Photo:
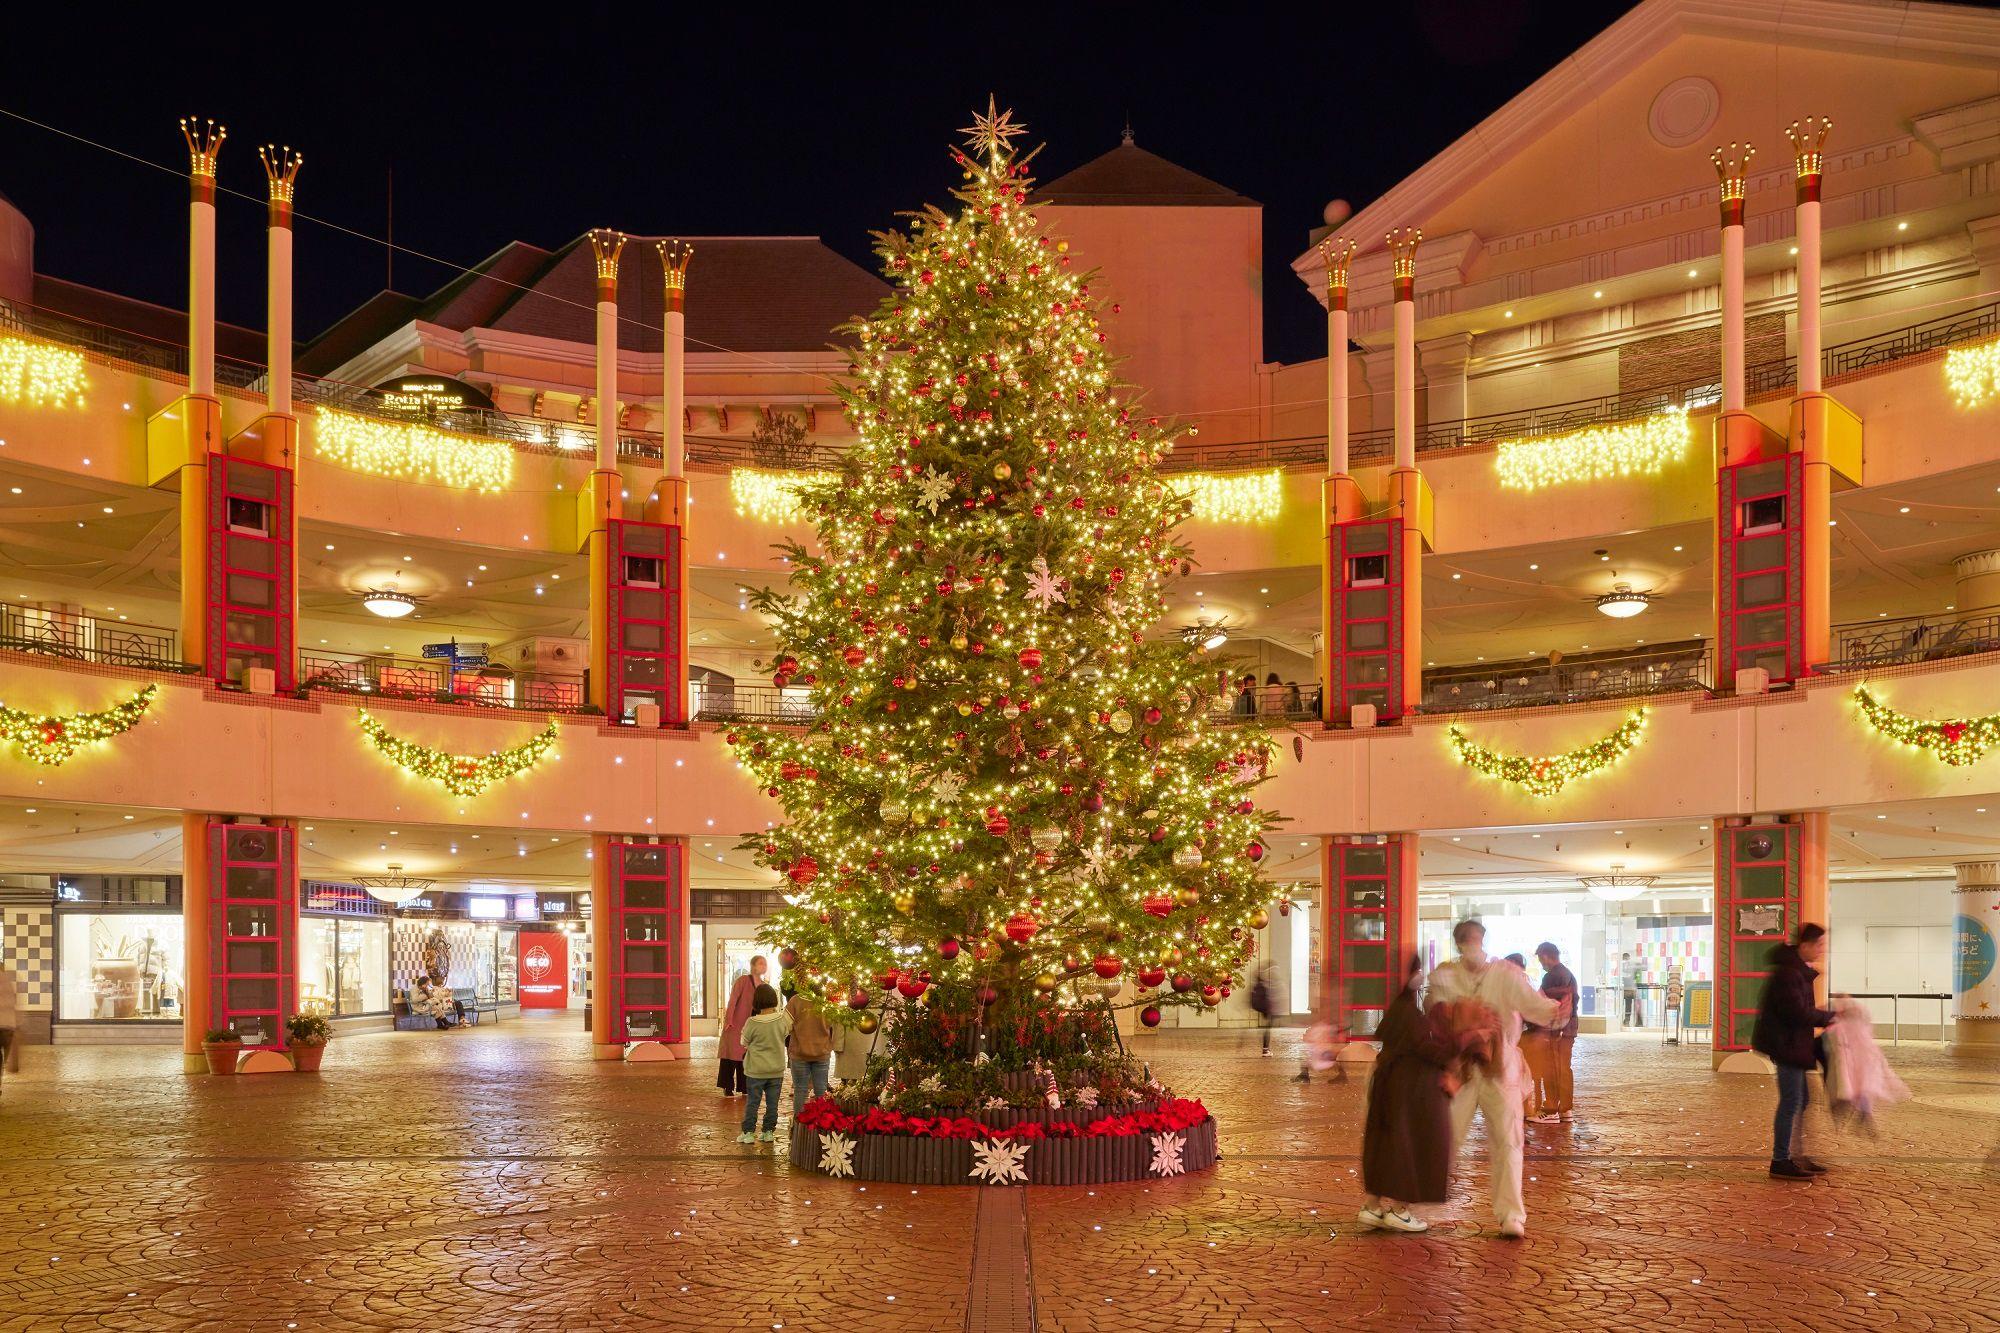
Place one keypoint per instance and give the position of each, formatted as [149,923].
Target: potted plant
[221,1046]
[308,1035]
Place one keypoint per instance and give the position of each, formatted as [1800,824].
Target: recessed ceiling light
[1677,548]
[1508,314]
[1881,816]
[1795,249]
[1534,566]
[1691,273]
[107,509]
[1904,510]
[1456,576]
[1902,226]
[329,546]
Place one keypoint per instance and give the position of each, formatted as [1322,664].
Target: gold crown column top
[674,258]
[1734,173]
[1403,243]
[1808,154]
[281,172]
[204,141]
[1339,257]
[607,245]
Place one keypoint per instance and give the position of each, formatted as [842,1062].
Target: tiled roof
[744,294]
[156,322]
[1129,176]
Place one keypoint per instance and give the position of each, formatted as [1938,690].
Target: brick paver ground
[498,1178]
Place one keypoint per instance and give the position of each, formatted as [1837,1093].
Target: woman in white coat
[1495,1092]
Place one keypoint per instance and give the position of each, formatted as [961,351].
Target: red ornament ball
[858,999]
[1183,983]
[1150,1016]
[1031,658]
[911,986]
[887,980]
[788,957]
[1106,966]
[947,949]
[1021,927]
[1152,976]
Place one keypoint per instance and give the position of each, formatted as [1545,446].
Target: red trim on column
[253,927]
[1363,935]
[241,559]
[646,660]
[1760,891]
[1367,643]
[646,977]
[1755,629]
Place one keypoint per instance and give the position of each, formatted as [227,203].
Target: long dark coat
[1406,1143]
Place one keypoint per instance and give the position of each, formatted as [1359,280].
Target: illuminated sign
[425,396]
[486,909]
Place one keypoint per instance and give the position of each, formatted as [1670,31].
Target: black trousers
[730,1077]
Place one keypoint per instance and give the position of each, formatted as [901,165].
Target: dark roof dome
[1129,176]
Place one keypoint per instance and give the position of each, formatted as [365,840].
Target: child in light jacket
[764,1064]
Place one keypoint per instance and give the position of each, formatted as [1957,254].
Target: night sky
[497,129]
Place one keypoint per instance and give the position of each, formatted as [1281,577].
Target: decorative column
[1975,983]
[180,438]
[1368,887]
[1734,174]
[1340,499]
[639,997]
[1976,581]
[674,259]
[1770,879]
[1410,496]
[1808,141]
[194,941]
[1374,607]
[603,499]
[604,1044]
[281,172]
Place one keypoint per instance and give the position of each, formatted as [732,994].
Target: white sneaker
[746,1138]
[1512,1230]
[1404,1221]
[1370,1218]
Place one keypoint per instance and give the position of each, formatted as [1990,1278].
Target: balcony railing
[1867,644]
[437,682]
[723,702]
[1266,703]
[1541,684]
[81,638]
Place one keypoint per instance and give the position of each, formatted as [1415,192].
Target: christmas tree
[1013,801]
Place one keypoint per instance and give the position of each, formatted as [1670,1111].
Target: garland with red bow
[51,739]
[1171,1116]
[460,774]
[1547,774]
[1957,741]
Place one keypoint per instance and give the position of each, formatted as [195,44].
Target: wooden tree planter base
[909,1160]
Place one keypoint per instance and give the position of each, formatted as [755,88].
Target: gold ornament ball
[904,903]
[1046,982]
[1187,897]
[1259,919]
[960,643]
[1002,470]
[867,1024]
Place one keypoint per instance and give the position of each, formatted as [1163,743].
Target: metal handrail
[1482,687]
[1867,644]
[81,638]
[437,682]
[723,701]
[1895,999]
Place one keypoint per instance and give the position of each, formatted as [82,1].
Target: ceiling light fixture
[1206,635]
[1617,886]
[1621,603]
[395,888]
[389,603]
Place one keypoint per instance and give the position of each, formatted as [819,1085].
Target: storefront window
[120,967]
[364,967]
[319,965]
[505,969]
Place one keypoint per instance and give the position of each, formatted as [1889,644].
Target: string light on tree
[1546,775]
[53,739]
[1957,741]
[987,810]
[39,375]
[1627,449]
[460,774]
[410,451]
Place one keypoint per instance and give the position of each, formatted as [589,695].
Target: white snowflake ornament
[1044,587]
[999,1162]
[1167,1150]
[933,489]
[947,785]
[836,1155]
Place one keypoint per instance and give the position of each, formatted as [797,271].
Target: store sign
[339,899]
[486,909]
[527,909]
[543,970]
[426,396]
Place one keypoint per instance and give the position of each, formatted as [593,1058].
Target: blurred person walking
[1406,1139]
[1488,999]
[1788,1016]
[1269,999]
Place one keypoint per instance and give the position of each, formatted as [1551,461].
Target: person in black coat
[1787,1021]
[1406,1144]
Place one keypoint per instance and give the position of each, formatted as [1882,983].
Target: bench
[474,1007]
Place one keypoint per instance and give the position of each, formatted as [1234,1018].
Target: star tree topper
[993,133]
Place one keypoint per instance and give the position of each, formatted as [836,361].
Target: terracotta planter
[222,1055]
[306,1056]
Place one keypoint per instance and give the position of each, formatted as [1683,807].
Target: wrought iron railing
[724,702]
[1866,644]
[1914,340]
[437,682]
[81,638]
[1266,703]
[1540,684]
